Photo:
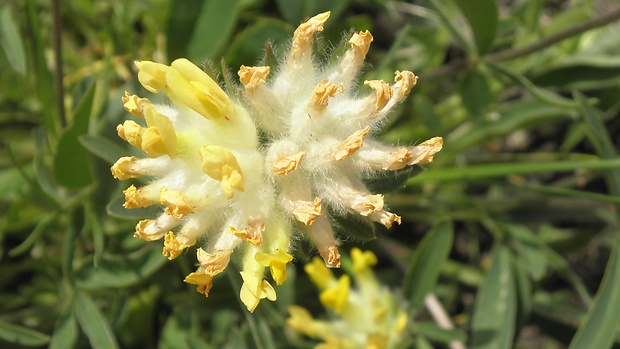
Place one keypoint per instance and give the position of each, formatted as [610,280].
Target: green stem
[58,74]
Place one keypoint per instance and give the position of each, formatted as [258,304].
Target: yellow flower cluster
[368,316]
[222,187]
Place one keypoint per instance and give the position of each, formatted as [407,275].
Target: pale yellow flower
[222,185]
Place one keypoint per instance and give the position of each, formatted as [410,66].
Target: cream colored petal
[142,197]
[251,234]
[122,168]
[164,128]
[253,77]
[302,38]
[321,94]
[351,144]
[383,92]
[287,163]
[306,211]
[177,205]
[424,152]
[131,132]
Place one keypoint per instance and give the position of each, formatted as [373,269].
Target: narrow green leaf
[181,22]
[98,240]
[22,336]
[36,234]
[529,249]
[244,46]
[94,324]
[580,72]
[475,93]
[292,11]
[44,79]
[213,27]
[599,329]
[478,172]
[11,41]
[65,332]
[432,331]
[122,271]
[541,94]
[482,17]
[429,256]
[71,163]
[102,148]
[358,227]
[495,309]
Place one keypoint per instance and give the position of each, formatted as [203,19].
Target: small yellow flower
[225,188]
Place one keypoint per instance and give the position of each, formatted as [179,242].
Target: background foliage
[514,227]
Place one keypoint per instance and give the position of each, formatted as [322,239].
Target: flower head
[223,188]
[364,316]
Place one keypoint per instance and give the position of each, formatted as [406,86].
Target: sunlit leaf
[495,309]
[482,16]
[424,268]
[11,40]
[94,324]
[22,336]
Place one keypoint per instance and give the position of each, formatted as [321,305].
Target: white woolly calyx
[221,188]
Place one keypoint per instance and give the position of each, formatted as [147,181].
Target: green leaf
[495,308]
[296,11]
[65,332]
[249,43]
[591,72]
[483,18]
[432,331]
[120,272]
[513,116]
[22,336]
[358,227]
[102,148]
[529,249]
[11,41]
[478,172]
[213,27]
[541,94]
[599,328]
[392,180]
[475,93]
[429,256]
[71,163]
[12,182]
[180,26]
[94,324]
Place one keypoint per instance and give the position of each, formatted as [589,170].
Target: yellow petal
[176,203]
[202,280]
[135,198]
[193,87]
[164,128]
[131,132]
[134,104]
[220,164]
[122,168]
[172,246]
[276,261]
[336,297]
[152,143]
[351,144]
[152,75]
[319,273]
[362,260]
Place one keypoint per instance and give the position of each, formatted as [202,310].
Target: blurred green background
[525,93]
